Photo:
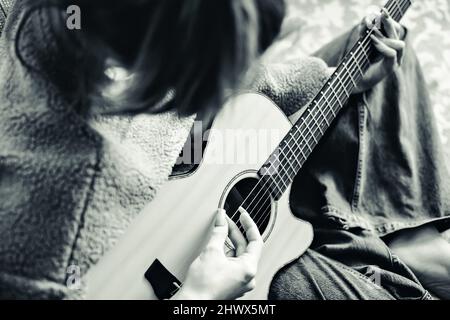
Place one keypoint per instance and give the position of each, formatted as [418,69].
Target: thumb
[221,220]
[219,233]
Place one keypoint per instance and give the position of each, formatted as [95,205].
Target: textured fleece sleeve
[69,186]
[48,157]
[291,85]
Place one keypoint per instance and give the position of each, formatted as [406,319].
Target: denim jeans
[347,265]
[380,170]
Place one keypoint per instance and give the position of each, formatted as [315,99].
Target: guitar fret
[323,115]
[399,8]
[319,125]
[274,167]
[350,74]
[357,64]
[286,173]
[364,50]
[316,122]
[280,174]
[314,137]
[342,84]
[306,142]
[293,156]
[274,181]
[328,102]
[298,146]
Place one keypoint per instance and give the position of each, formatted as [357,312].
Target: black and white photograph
[253,152]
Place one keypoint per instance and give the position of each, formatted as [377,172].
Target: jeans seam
[389,228]
[362,276]
[346,219]
[358,274]
[357,186]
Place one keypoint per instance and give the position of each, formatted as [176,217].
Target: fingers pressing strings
[389,47]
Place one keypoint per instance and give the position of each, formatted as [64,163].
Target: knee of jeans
[296,281]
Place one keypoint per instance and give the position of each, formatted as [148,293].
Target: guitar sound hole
[259,204]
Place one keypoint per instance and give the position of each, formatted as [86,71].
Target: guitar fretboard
[293,152]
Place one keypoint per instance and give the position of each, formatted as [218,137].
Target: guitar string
[349,81]
[334,99]
[264,215]
[288,142]
[308,123]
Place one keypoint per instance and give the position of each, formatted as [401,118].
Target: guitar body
[175,226]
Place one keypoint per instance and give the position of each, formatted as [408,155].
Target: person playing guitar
[51,77]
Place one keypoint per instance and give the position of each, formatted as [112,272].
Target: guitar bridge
[164,284]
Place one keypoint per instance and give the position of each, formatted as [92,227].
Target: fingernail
[242,210]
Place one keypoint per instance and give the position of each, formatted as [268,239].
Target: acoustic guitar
[151,259]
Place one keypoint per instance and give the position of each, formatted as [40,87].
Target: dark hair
[194,49]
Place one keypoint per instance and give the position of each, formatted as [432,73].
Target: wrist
[186,294]
[182,294]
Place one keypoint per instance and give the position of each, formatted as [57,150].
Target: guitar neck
[293,152]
